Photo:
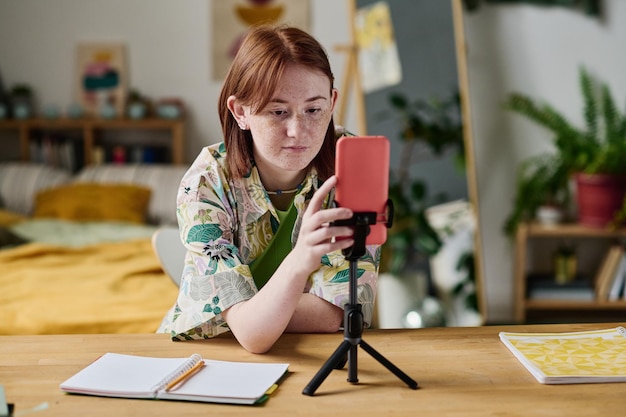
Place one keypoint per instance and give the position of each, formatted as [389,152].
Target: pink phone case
[362,170]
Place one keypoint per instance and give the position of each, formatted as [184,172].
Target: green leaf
[204,233]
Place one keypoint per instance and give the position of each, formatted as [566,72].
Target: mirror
[431,51]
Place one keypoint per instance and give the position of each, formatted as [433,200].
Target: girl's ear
[237,110]
[333,99]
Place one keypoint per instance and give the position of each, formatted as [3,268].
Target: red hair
[253,77]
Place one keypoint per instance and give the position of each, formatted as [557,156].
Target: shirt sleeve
[214,277]
[331,281]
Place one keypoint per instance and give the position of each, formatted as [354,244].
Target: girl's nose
[295,124]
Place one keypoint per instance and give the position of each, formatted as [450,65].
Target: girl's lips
[295,148]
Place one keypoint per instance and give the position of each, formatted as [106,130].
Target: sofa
[75,249]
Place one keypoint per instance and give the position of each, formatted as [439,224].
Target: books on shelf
[617,286]
[545,287]
[124,154]
[609,281]
[58,152]
[186,379]
[571,358]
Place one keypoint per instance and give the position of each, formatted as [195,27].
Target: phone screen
[362,170]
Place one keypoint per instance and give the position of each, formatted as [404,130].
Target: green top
[265,265]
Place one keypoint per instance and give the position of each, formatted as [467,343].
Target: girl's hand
[317,237]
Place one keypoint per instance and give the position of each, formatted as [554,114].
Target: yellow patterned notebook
[571,358]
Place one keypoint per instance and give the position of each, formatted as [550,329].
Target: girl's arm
[281,305]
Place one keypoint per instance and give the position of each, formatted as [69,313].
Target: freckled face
[289,132]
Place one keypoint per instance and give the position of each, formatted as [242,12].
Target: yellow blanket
[102,288]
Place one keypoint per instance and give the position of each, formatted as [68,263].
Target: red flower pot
[600,197]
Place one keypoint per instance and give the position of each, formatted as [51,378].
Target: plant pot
[599,197]
[137,110]
[548,215]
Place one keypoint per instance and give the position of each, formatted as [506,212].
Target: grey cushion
[20,182]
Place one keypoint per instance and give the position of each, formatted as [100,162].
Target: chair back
[170,251]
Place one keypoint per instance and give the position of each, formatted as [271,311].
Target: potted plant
[21,101]
[542,183]
[593,155]
[136,105]
[433,126]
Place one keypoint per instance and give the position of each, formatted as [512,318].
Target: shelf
[527,235]
[569,230]
[88,126]
[574,305]
[65,123]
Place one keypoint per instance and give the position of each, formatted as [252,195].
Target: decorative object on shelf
[22,101]
[107,111]
[136,105]
[101,77]
[600,198]
[549,215]
[75,111]
[599,148]
[21,111]
[119,155]
[51,111]
[97,155]
[565,264]
[137,110]
[170,108]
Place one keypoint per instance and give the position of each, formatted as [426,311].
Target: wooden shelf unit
[526,234]
[89,127]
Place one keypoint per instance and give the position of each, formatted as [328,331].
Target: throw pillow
[94,202]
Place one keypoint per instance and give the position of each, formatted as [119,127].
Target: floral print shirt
[225,224]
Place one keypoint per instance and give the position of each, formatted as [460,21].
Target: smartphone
[362,170]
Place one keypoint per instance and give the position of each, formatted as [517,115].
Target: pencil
[186,375]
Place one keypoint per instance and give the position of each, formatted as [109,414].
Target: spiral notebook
[186,379]
[571,358]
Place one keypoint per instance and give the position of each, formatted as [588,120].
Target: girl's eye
[313,111]
[278,112]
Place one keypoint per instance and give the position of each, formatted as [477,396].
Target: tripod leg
[336,358]
[387,364]
[340,364]
[352,365]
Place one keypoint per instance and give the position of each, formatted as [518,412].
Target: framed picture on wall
[231,20]
[101,78]
[379,61]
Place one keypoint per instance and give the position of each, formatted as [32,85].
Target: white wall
[537,51]
[168,46]
[523,48]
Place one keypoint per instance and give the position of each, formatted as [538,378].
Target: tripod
[353,316]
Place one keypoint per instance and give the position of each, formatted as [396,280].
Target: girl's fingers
[318,198]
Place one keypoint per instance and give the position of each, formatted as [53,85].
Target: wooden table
[461,372]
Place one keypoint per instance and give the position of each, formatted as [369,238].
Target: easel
[351,75]
[353,316]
